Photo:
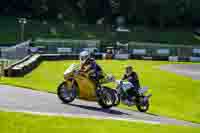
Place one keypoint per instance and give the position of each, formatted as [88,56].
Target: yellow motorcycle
[79,84]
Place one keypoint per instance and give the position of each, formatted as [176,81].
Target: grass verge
[23,123]
[173,95]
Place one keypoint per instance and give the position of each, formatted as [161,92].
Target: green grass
[173,95]
[26,123]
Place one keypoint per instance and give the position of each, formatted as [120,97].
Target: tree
[159,13]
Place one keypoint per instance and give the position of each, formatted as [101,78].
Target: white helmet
[84,56]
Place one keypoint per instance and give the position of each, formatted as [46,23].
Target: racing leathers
[93,69]
[134,80]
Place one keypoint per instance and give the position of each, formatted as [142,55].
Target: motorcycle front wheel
[106,98]
[117,97]
[141,105]
[65,94]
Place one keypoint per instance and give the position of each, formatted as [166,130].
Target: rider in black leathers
[132,77]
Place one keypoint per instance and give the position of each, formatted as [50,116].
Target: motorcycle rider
[132,77]
[89,65]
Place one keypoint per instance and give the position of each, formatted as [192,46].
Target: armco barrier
[29,63]
[147,58]
[32,61]
[122,56]
[8,71]
[65,56]
[59,56]
[23,67]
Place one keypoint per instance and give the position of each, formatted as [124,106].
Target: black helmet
[129,69]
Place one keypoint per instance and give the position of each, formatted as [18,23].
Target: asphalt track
[16,99]
[190,70]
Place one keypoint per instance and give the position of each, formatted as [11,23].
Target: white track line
[80,116]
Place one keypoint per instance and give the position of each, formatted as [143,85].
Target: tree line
[159,13]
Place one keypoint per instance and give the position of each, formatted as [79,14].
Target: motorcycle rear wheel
[65,94]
